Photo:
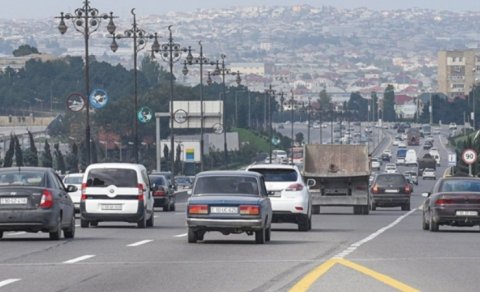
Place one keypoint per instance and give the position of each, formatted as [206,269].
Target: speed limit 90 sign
[469,156]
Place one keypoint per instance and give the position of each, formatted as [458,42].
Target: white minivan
[411,157]
[116,192]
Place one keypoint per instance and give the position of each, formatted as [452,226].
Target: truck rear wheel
[315,209]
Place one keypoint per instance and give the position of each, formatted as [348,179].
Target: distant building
[248,68]
[457,71]
[17,63]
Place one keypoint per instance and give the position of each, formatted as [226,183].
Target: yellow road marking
[306,282]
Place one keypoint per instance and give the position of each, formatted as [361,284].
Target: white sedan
[291,200]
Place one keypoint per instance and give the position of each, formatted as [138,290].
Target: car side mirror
[311,182]
[426,195]
[71,189]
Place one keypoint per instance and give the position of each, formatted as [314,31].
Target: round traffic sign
[218,128]
[144,115]
[469,156]
[98,98]
[180,116]
[75,102]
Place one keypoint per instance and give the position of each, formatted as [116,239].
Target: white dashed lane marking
[8,282]
[140,243]
[79,259]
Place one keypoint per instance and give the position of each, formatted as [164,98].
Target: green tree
[299,138]
[71,159]
[374,106]
[47,160]
[25,50]
[389,104]
[325,100]
[31,154]
[18,152]
[8,161]
[358,106]
[60,161]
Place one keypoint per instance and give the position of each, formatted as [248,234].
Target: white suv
[291,200]
[116,192]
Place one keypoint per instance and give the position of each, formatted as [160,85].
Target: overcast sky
[50,8]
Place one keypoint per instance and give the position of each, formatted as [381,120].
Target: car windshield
[23,178]
[226,185]
[105,177]
[460,186]
[72,180]
[274,175]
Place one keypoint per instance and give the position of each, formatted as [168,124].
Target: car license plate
[466,213]
[391,191]
[223,210]
[111,207]
[13,201]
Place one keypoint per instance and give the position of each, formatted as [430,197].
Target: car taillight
[140,189]
[249,210]
[294,187]
[198,209]
[47,199]
[407,188]
[159,193]
[444,201]
[84,196]
[375,189]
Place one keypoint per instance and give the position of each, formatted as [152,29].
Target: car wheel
[84,223]
[424,222]
[70,231]
[143,222]
[200,235]
[268,233]
[310,222]
[303,223]
[57,233]
[406,207]
[260,236]
[365,210]
[373,207]
[433,225]
[94,223]
[192,236]
[151,220]
[172,207]
[166,208]
[1,234]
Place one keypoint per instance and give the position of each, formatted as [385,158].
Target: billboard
[189,150]
[187,113]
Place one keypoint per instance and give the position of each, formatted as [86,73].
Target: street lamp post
[269,93]
[201,60]
[139,37]
[171,53]
[86,20]
[222,70]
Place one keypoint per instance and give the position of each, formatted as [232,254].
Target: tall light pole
[86,20]
[292,101]
[201,60]
[431,108]
[139,37]
[223,71]
[269,93]
[171,53]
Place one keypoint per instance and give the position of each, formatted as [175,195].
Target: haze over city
[39,9]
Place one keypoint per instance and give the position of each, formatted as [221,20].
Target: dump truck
[338,175]
[413,137]
[427,161]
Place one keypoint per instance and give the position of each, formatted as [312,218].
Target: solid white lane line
[76,260]
[140,242]
[8,282]
[181,235]
[372,236]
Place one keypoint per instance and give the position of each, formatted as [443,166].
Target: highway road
[386,250]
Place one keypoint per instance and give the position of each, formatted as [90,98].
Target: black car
[391,190]
[34,199]
[163,193]
[385,157]
[427,145]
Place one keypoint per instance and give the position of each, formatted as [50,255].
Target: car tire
[151,220]
[310,222]
[268,234]
[303,223]
[1,234]
[84,223]
[373,207]
[260,236]
[406,207]
[57,233]
[70,231]
[433,225]
[192,236]
[143,222]
[200,235]
[94,223]
[172,207]
[166,208]
[365,210]
[425,225]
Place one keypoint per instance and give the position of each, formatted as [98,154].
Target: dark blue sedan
[229,202]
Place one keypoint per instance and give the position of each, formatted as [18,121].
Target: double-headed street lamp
[201,60]
[86,20]
[223,71]
[170,52]
[140,38]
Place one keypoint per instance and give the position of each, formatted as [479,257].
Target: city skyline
[38,9]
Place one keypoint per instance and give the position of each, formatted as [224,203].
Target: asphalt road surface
[386,250]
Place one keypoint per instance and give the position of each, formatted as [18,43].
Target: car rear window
[158,180]
[23,178]
[231,185]
[460,186]
[104,177]
[277,174]
[73,180]
[390,179]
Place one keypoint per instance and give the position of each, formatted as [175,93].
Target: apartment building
[458,71]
